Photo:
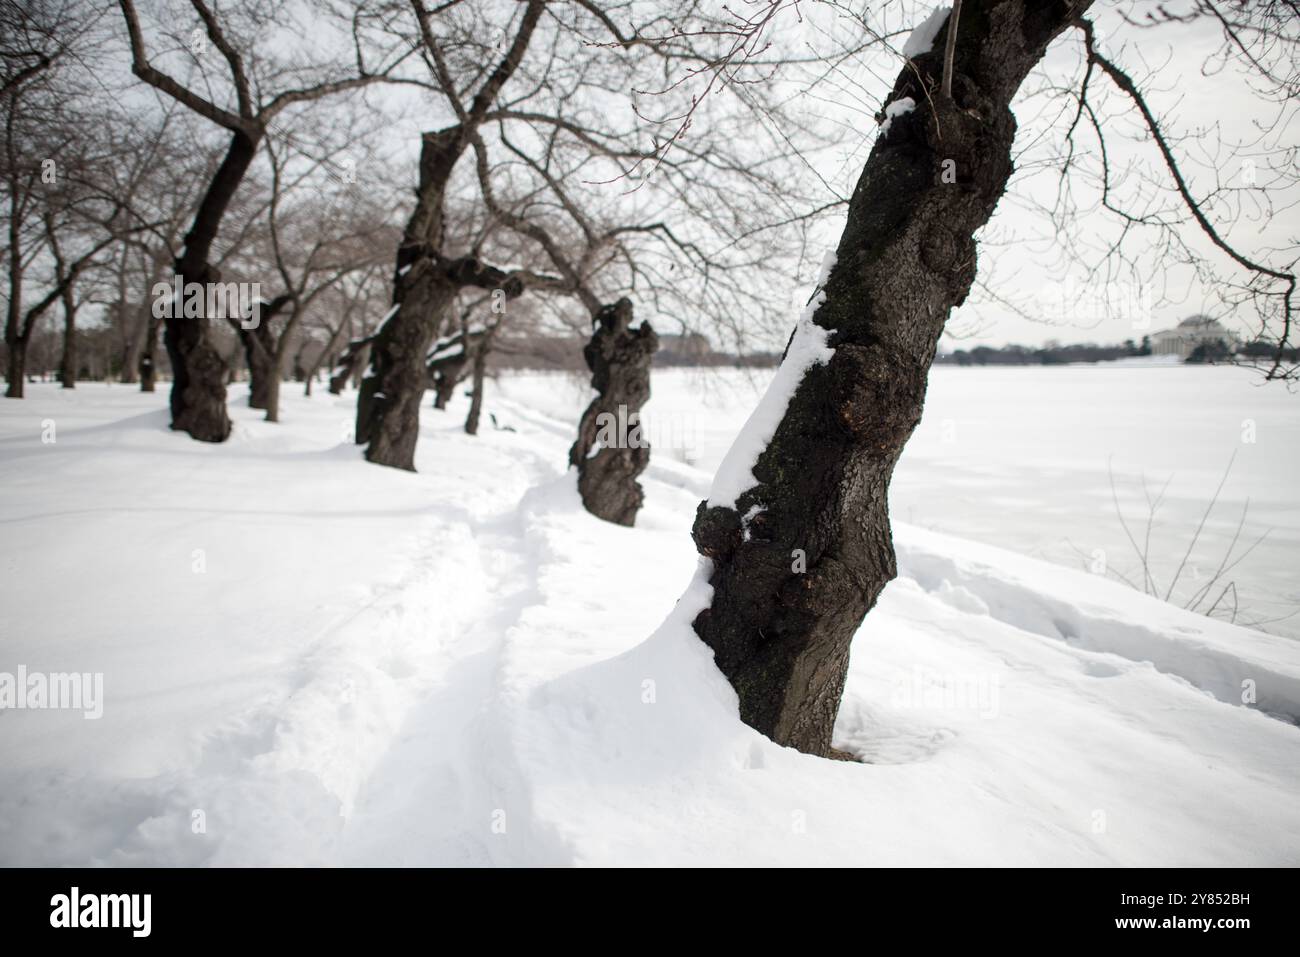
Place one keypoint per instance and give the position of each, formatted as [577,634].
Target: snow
[807,348]
[899,107]
[1018,457]
[921,39]
[460,666]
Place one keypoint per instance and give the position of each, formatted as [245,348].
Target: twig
[1192,544]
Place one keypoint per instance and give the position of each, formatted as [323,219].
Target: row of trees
[578,162]
[229,155]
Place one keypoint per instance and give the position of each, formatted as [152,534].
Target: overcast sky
[1033,272]
[1019,261]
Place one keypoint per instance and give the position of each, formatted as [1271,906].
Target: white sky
[1186,100]
[1025,269]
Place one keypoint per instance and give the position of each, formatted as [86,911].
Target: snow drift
[312,660]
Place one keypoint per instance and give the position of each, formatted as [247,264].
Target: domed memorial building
[1183,339]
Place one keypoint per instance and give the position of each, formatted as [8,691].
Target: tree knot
[717,531]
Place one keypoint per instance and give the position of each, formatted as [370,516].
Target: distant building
[1190,333]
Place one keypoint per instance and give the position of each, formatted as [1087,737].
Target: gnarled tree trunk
[426,282]
[619,358]
[388,406]
[801,556]
[259,352]
[198,397]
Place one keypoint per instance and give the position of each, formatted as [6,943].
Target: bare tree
[802,551]
[256,94]
[323,238]
[427,281]
[41,143]
[594,191]
[799,538]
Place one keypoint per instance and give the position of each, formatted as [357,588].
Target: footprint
[1100,669]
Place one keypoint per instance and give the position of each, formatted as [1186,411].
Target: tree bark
[476,395]
[129,367]
[145,333]
[16,368]
[68,361]
[388,406]
[15,341]
[198,396]
[259,352]
[619,358]
[445,379]
[148,367]
[354,357]
[793,579]
[273,396]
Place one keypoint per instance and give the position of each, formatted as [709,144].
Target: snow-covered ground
[1019,457]
[307,659]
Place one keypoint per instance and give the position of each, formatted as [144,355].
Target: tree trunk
[388,406]
[142,338]
[15,341]
[476,397]
[16,369]
[335,337]
[198,397]
[447,372]
[444,384]
[611,450]
[132,334]
[354,357]
[273,396]
[129,367]
[145,336]
[68,362]
[794,577]
[148,367]
[259,353]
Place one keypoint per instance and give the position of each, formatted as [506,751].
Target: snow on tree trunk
[798,533]
[354,357]
[444,384]
[611,450]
